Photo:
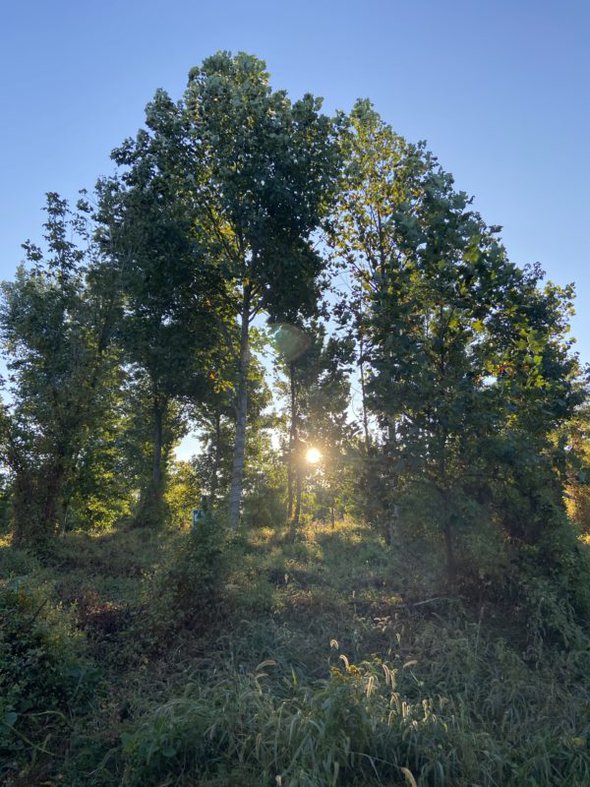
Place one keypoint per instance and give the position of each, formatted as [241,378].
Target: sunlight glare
[313,456]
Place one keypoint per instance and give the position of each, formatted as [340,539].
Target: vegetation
[388,580]
[325,661]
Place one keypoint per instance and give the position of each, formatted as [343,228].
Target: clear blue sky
[500,89]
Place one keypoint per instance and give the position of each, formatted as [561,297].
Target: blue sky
[500,91]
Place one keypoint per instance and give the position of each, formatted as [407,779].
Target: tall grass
[331,660]
[491,723]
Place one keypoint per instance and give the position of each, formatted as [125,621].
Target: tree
[57,320]
[106,479]
[373,184]
[444,316]
[216,414]
[538,391]
[575,435]
[268,167]
[170,281]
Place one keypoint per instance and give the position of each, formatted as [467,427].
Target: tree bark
[216,459]
[292,442]
[448,518]
[151,510]
[158,438]
[367,434]
[235,495]
[298,493]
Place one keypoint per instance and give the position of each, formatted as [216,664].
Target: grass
[328,660]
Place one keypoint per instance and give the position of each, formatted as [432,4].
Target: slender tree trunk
[367,434]
[53,488]
[158,439]
[290,495]
[216,459]
[151,511]
[447,511]
[235,495]
[298,493]
[292,442]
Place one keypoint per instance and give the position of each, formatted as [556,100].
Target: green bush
[183,493]
[187,588]
[16,562]
[265,505]
[44,678]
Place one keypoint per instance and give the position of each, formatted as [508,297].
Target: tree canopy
[433,374]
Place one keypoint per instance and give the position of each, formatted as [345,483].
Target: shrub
[183,493]
[186,590]
[44,677]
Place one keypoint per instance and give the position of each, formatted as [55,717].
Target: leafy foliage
[470,372]
[187,588]
[56,320]
[44,677]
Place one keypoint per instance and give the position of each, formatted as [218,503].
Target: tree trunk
[216,459]
[448,518]
[151,511]
[298,493]
[367,434]
[292,442]
[158,436]
[53,486]
[235,495]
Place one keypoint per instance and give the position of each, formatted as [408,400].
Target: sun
[313,456]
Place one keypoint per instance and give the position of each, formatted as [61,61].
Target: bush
[183,493]
[188,587]
[44,678]
[17,562]
[265,505]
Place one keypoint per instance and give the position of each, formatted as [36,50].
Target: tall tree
[57,319]
[538,390]
[150,216]
[373,185]
[270,166]
[441,310]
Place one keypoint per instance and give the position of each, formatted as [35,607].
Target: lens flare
[313,456]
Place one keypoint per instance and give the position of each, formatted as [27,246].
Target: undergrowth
[183,658]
